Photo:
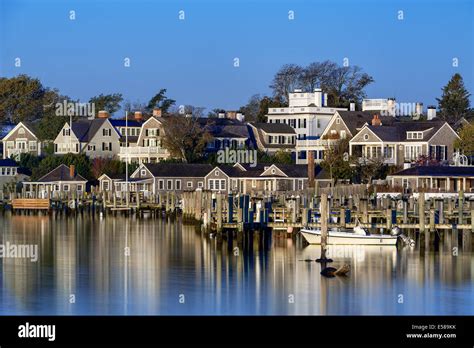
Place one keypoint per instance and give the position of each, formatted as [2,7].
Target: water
[174,269]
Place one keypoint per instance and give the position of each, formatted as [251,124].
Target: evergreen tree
[454,103]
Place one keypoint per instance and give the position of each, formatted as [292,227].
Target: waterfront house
[96,138]
[226,133]
[11,173]
[434,178]
[110,183]
[21,139]
[147,146]
[262,179]
[342,125]
[402,143]
[169,177]
[272,137]
[62,180]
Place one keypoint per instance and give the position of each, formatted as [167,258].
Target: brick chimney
[103,114]
[72,170]
[157,112]
[138,116]
[376,121]
[310,168]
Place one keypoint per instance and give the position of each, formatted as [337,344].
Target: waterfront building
[403,143]
[434,178]
[62,180]
[226,133]
[272,137]
[11,173]
[308,114]
[21,139]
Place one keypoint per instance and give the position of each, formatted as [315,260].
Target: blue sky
[410,59]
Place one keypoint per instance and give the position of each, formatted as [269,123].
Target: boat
[358,236]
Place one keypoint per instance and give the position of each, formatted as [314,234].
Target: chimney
[352,106]
[138,115]
[318,97]
[310,168]
[431,112]
[103,114]
[376,121]
[418,109]
[325,103]
[157,112]
[72,170]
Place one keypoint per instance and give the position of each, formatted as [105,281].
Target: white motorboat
[358,236]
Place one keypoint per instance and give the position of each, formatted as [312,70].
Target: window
[200,184]
[143,172]
[66,132]
[105,185]
[318,123]
[211,184]
[32,145]
[216,184]
[222,184]
[178,185]
[169,185]
[273,171]
[343,134]
[338,120]
[189,184]
[216,173]
[300,184]
[66,187]
[21,131]
[79,187]
[366,137]
[56,187]
[91,147]
[8,171]
[161,184]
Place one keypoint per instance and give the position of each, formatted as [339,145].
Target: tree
[160,101]
[252,109]
[286,80]
[107,102]
[48,163]
[465,143]
[185,138]
[51,124]
[267,103]
[131,107]
[21,99]
[346,84]
[337,161]
[317,74]
[454,102]
[371,168]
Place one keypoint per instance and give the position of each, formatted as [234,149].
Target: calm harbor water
[174,269]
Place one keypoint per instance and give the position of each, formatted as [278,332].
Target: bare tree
[286,80]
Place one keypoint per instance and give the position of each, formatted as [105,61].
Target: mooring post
[324,224]
[460,207]
[421,211]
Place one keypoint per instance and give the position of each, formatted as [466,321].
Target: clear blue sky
[410,59]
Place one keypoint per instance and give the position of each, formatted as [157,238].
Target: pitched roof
[398,130]
[355,120]
[61,173]
[437,171]
[86,129]
[185,170]
[278,128]
[123,123]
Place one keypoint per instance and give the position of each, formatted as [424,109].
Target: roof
[183,170]
[61,173]
[291,170]
[355,120]
[8,163]
[278,128]
[86,129]
[437,171]
[123,123]
[397,132]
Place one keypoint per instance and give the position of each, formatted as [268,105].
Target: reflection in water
[150,266]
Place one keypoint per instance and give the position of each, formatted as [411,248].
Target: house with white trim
[21,139]
[404,142]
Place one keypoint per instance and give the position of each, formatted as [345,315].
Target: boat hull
[344,238]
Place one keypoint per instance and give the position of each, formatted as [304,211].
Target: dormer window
[414,135]
[338,120]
